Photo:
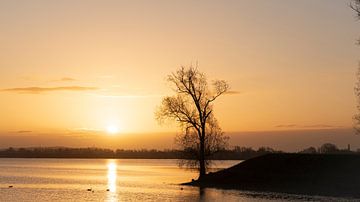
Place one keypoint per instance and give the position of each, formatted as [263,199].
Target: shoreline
[308,174]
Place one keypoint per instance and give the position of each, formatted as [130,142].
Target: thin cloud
[307,126]
[24,131]
[83,132]
[287,126]
[37,90]
[41,79]
[321,126]
[232,92]
[67,79]
[64,79]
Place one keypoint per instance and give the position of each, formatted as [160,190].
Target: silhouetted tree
[192,108]
[328,148]
[355,5]
[357,93]
[310,150]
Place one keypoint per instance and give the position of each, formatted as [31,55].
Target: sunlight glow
[112,129]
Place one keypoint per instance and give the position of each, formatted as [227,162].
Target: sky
[73,71]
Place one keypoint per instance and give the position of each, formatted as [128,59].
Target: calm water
[115,180]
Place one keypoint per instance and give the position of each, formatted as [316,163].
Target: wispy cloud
[37,90]
[24,131]
[42,79]
[232,92]
[83,132]
[321,126]
[287,126]
[307,126]
[66,79]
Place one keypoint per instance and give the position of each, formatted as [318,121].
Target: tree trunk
[202,158]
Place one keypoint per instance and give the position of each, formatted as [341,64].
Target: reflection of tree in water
[201,193]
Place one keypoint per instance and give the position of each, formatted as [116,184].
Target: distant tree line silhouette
[328,148]
[237,153]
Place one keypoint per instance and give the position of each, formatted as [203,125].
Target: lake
[117,180]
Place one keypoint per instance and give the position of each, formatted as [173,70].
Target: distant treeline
[237,153]
[329,148]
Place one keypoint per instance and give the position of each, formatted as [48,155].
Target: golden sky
[70,66]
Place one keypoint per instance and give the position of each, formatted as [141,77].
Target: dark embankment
[310,174]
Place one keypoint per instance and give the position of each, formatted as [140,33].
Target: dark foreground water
[116,180]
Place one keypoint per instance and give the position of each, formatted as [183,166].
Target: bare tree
[192,108]
[355,5]
[357,93]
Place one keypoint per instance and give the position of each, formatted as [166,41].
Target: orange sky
[95,64]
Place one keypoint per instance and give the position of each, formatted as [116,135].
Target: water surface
[117,180]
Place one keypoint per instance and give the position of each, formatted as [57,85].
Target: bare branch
[355,5]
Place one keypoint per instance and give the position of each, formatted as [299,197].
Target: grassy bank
[311,174]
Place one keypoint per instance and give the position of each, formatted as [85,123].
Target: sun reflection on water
[111,175]
[111,180]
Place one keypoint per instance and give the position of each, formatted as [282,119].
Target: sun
[112,129]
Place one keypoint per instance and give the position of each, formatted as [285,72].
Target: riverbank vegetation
[236,153]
